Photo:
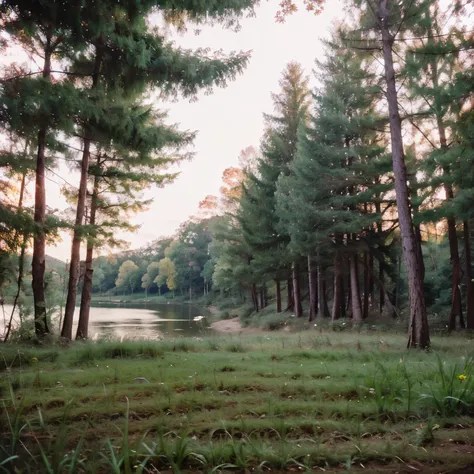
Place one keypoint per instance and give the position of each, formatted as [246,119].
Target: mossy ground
[314,401]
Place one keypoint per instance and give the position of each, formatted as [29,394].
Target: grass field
[309,402]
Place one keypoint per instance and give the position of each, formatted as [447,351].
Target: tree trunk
[365,310]
[19,283]
[262,298]
[371,279]
[83,324]
[469,282]
[343,290]
[278,295]
[337,302]
[456,273]
[313,290]
[290,299]
[418,332]
[254,297]
[21,260]
[74,267]
[323,301]
[296,289]
[355,292]
[347,306]
[398,286]
[38,265]
[381,292]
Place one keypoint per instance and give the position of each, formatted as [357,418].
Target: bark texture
[313,290]
[355,292]
[297,289]
[418,331]
[337,301]
[86,296]
[469,282]
[278,295]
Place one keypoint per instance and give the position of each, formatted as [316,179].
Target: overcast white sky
[227,121]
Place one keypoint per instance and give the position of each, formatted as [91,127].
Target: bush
[340,325]
[273,321]
[225,315]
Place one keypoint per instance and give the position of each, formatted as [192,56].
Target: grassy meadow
[277,402]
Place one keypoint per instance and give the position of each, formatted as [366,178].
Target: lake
[141,320]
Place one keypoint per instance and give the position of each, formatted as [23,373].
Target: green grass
[274,402]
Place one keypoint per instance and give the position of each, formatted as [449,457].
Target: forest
[356,203]
[339,246]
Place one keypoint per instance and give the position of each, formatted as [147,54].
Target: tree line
[358,199]
[374,163]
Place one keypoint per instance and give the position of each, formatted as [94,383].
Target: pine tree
[380,22]
[345,156]
[133,161]
[462,149]
[431,66]
[17,226]
[127,58]
[257,215]
[46,30]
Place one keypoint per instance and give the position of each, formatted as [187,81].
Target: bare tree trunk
[19,283]
[381,292]
[337,302]
[418,332]
[296,289]
[254,297]
[347,307]
[469,282]
[365,310]
[456,274]
[323,302]
[290,298]
[86,296]
[21,260]
[371,279]
[262,298]
[278,295]
[38,265]
[74,266]
[355,292]
[398,288]
[313,290]
[380,262]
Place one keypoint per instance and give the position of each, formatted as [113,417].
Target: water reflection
[147,320]
[144,321]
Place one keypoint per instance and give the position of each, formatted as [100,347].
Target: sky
[227,121]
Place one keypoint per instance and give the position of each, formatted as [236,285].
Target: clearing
[272,402]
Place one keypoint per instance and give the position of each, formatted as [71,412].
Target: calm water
[142,321]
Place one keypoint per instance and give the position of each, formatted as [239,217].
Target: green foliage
[258,215]
[127,276]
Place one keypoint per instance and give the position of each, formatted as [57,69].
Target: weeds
[292,402]
[452,392]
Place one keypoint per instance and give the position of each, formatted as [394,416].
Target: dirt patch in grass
[233,326]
